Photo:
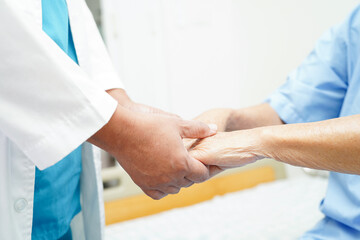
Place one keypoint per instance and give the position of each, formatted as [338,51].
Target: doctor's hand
[219,117]
[228,149]
[149,147]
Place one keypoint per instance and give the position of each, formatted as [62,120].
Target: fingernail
[213,128]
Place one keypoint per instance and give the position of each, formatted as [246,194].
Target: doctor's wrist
[121,97]
[109,136]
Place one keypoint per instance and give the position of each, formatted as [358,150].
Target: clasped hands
[148,144]
[226,149]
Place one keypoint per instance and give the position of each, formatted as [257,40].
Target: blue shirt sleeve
[316,90]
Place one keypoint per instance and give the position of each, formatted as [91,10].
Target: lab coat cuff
[67,135]
[109,80]
[284,108]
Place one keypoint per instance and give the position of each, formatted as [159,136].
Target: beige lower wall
[124,187]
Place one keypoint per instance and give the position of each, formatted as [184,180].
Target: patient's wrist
[271,141]
[243,118]
[233,119]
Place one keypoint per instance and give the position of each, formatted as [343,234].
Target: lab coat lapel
[78,32]
[91,192]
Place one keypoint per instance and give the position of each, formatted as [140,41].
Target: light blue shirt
[327,85]
[57,188]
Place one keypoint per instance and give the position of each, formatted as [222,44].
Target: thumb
[198,172]
[206,159]
[196,129]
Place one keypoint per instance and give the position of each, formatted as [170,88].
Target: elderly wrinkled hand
[228,149]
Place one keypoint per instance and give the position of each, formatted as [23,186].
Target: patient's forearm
[252,117]
[330,145]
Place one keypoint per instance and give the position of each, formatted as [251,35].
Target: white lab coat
[49,105]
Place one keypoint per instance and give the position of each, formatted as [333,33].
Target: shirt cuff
[284,108]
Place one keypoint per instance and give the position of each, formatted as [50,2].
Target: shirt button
[20,205]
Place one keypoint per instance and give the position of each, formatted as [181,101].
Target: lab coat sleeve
[96,59]
[48,106]
[316,90]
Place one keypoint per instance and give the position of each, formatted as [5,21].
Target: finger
[198,172]
[200,156]
[171,190]
[196,129]
[155,194]
[214,170]
[184,183]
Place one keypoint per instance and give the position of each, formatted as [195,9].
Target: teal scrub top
[57,188]
[327,85]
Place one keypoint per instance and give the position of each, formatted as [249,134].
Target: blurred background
[187,56]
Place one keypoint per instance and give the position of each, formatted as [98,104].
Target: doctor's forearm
[329,145]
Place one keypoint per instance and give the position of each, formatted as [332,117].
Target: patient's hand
[228,149]
[218,116]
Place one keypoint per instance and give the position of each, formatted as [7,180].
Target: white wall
[187,56]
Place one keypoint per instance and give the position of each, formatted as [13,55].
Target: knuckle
[185,128]
[202,128]
[191,126]
[175,191]
[181,166]
[156,196]
[172,190]
[154,184]
[180,161]
[182,123]
[160,181]
[203,177]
